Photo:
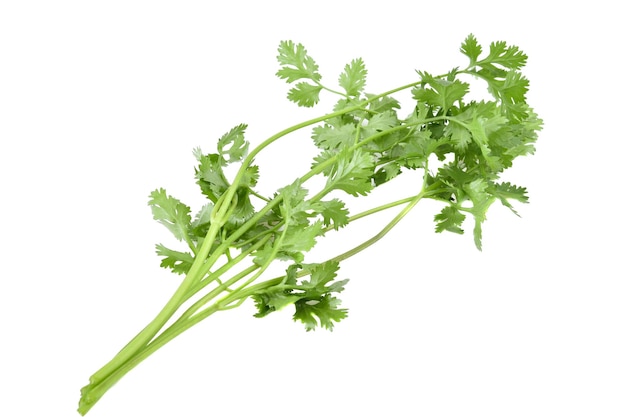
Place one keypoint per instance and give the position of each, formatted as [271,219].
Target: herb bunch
[363,143]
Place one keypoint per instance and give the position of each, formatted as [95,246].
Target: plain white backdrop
[102,102]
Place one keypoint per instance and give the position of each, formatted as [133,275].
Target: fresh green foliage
[363,143]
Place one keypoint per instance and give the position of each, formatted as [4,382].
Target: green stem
[380,234]
[180,295]
[276,281]
[91,395]
[198,286]
[144,343]
[318,168]
[339,93]
[223,287]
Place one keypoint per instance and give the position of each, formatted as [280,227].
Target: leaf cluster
[314,300]
[364,143]
[457,149]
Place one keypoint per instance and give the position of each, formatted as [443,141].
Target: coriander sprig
[362,144]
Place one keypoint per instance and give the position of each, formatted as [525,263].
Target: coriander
[362,144]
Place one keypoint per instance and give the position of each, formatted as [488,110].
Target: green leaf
[334,213]
[507,191]
[210,175]
[299,63]
[293,207]
[312,299]
[382,104]
[178,262]
[201,223]
[171,213]
[250,177]
[293,74]
[305,94]
[481,200]
[442,92]
[323,312]
[459,136]
[478,130]
[244,209]
[449,219]
[352,173]
[301,238]
[414,152]
[506,56]
[270,301]
[471,49]
[353,77]
[387,172]
[266,254]
[380,122]
[330,137]
[355,115]
[233,145]
[321,275]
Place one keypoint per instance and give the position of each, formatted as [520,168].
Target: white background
[102,102]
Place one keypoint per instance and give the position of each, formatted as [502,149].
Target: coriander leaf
[312,299]
[334,213]
[325,310]
[233,144]
[478,129]
[506,56]
[301,238]
[305,94]
[512,92]
[352,173]
[380,122]
[293,74]
[324,156]
[387,172]
[414,152]
[382,104]
[171,213]
[273,300]
[353,77]
[293,208]
[293,195]
[330,137]
[322,274]
[178,262]
[481,200]
[201,223]
[243,209]
[507,191]
[210,176]
[250,177]
[354,116]
[450,219]
[459,136]
[300,64]
[442,93]
[471,49]
[267,254]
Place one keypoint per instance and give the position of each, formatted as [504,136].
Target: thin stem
[227,266]
[91,394]
[376,210]
[147,341]
[331,90]
[382,233]
[259,196]
[215,292]
[276,281]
